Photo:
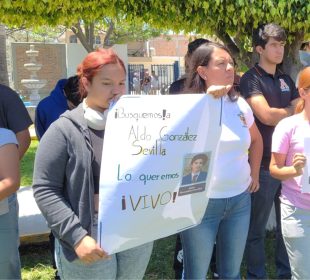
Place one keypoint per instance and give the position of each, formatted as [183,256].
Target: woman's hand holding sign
[89,251]
[218,91]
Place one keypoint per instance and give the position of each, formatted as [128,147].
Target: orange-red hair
[93,62]
[303,82]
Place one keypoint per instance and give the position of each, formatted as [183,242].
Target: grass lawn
[36,262]
[36,259]
[26,166]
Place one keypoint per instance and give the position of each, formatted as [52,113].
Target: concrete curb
[31,222]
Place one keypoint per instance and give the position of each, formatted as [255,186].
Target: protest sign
[149,144]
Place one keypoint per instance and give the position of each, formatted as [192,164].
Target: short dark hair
[203,157]
[71,90]
[192,46]
[264,32]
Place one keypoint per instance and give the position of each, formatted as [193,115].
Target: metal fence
[132,69]
[166,73]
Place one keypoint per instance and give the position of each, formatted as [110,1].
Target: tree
[43,34]
[42,20]
[116,31]
[231,20]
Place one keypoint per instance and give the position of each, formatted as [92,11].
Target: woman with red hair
[288,163]
[66,177]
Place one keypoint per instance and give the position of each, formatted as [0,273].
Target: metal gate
[134,69]
[167,74]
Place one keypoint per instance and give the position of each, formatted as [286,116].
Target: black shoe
[57,277]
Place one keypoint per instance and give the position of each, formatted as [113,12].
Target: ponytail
[300,106]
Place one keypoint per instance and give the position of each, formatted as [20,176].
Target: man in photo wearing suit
[196,175]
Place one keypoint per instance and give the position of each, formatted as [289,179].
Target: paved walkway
[31,221]
[32,132]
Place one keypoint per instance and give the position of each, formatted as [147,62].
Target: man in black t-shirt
[272,96]
[14,116]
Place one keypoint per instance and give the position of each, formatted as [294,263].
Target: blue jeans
[129,264]
[225,221]
[295,224]
[262,201]
[9,238]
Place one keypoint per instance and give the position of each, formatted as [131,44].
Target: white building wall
[75,53]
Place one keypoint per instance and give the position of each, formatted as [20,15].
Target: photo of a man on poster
[197,174]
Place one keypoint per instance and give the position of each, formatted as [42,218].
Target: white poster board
[148,145]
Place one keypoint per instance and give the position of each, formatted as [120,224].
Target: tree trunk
[228,42]
[4,79]
[106,42]
[91,37]
[242,58]
[291,62]
[77,30]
